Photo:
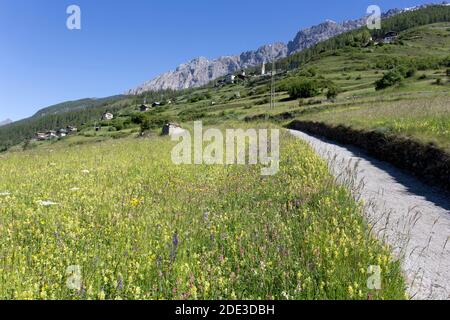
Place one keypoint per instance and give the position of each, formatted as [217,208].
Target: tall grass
[140,227]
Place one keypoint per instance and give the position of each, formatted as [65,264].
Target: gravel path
[412,217]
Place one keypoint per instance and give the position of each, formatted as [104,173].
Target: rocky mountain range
[200,71]
[324,31]
[5,122]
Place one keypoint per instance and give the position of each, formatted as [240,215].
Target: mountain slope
[59,116]
[5,122]
[200,71]
[77,105]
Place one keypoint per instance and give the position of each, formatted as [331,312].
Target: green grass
[425,118]
[140,227]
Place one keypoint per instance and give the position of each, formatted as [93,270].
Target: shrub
[390,79]
[192,115]
[262,89]
[407,71]
[438,81]
[301,88]
[199,97]
[138,118]
[312,102]
[448,72]
[119,125]
[446,62]
[145,125]
[410,73]
[333,91]
[310,72]
[266,100]
[284,85]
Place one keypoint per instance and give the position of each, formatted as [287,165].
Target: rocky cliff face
[324,31]
[201,71]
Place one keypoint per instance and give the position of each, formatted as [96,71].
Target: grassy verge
[140,227]
[426,119]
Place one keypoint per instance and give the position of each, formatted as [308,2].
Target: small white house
[51,134]
[62,133]
[230,78]
[107,116]
[41,136]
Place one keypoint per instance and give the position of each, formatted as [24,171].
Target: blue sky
[123,43]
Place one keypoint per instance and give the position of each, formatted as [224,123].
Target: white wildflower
[46,203]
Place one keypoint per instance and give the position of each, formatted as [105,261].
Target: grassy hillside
[418,107]
[73,113]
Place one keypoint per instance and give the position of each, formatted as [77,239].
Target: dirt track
[412,217]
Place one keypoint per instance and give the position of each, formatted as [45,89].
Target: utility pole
[272,85]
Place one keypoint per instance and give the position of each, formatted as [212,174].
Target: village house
[62,133]
[41,136]
[51,134]
[390,37]
[229,79]
[71,129]
[144,108]
[107,116]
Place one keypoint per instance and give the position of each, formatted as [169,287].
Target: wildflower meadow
[118,220]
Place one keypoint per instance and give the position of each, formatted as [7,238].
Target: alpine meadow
[93,205]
